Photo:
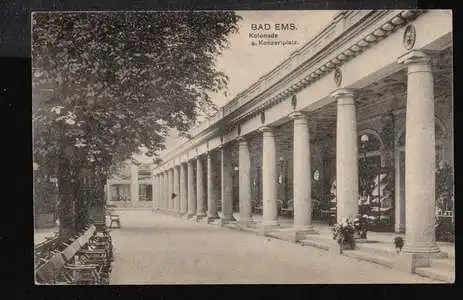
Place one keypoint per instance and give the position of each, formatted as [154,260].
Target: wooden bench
[48,273]
[44,250]
[65,267]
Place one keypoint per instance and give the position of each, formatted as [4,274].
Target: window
[119,192]
[145,192]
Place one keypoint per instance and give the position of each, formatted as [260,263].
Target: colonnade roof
[346,25]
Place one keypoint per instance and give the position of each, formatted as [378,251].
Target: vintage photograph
[243,147]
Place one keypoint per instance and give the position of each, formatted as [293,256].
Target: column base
[196,218]
[246,223]
[300,233]
[213,216]
[191,215]
[410,261]
[228,218]
[266,228]
[426,249]
[201,215]
[399,228]
[210,219]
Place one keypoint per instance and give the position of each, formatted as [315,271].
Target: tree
[119,81]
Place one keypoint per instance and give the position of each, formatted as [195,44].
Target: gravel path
[156,249]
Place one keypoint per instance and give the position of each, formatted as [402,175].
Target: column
[200,195]
[269,178]
[166,191]
[176,199]
[211,189]
[134,184]
[244,187]
[154,191]
[171,189]
[227,184]
[191,190]
[183,189]
[159,191]
[302,174]
[346,156]
[419,156]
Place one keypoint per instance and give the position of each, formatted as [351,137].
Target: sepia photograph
[243,147]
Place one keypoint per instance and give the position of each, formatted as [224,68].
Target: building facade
[131,185]
[358,119]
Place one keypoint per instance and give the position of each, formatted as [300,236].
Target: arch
[373,133]
[440,130]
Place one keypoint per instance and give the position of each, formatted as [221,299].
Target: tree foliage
[119,80]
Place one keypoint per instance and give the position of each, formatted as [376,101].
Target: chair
[114,219]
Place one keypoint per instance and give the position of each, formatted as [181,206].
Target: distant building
[131,185]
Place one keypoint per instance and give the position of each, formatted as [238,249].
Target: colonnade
[187,179]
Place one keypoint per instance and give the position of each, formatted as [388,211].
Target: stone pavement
[151,248]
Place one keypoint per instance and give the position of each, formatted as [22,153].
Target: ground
[151,248]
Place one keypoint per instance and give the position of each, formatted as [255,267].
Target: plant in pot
[398,243]
[360,226]
[343,233]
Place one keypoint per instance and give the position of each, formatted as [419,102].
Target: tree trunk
[67,186]
[94,208]
[81,204]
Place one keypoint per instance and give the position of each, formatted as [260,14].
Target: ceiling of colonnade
[384,95]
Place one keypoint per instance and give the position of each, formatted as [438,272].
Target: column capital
[414,57]
[298,115]
[266,129]
[343,93]
[241,139]
[242,142]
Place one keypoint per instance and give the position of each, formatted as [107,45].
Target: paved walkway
[156,249]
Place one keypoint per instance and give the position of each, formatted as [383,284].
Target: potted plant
[360,227]
[398,243]
[343,233]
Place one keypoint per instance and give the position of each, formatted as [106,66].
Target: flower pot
[346,245]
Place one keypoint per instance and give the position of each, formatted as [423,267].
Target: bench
[44,250]
[288,210]
[68,267]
